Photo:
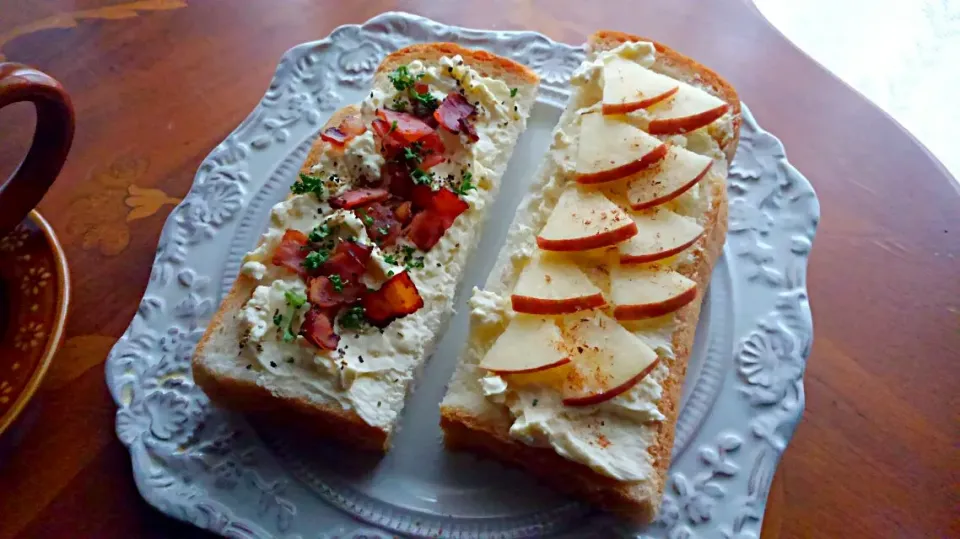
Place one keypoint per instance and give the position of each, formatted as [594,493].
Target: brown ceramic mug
[51,140]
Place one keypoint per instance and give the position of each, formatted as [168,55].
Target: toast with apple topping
[579,341]
[336,310]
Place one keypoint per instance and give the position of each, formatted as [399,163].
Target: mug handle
[51,140]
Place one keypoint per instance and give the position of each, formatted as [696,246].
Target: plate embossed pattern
[207,466]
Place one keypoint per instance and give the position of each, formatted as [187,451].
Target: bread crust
[637,502]
[238,388]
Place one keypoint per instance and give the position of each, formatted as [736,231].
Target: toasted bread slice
[472,422]
[231,376]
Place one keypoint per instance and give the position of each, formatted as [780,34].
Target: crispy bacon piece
[397,298]
[454,113]
[431,151]
[317,328]
[391,141]
[349,261]
[292,251]
[428,226]
[382,224]
[358,197]
[322,293]
[350,127]
[404,212]
[408,127]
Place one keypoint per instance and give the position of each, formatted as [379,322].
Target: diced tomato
[421,196]
[454,113]
[358,197]
[349,128]
[404,212]
[292,251]
[391,141]
[317,328]
[421,88]
[408,126]
[397,298]
[384,227]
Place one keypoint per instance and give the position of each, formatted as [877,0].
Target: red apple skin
[653,257]
[677,126]
[532,305]
[548,366]
[624,108]
[606,239]
[645,162]
[639,312]
[610,393]
[670,196]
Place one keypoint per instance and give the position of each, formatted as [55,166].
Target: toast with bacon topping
[338,307]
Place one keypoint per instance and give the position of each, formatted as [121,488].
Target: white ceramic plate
[742,398]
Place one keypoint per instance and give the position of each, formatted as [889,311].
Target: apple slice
[628,86]
[607,360]
[660,233]
[611,148]
[552,284]
[647,291]
[689,109]
[529,344]
[680,170]
[585,220]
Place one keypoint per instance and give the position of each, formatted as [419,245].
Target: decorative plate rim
[203,465]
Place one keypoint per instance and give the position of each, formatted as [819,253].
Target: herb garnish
[352,318]
[513,92]
[315,259]
[420,177]
[338,282]
[409,260]
[390,259]
[402,79]
[319,233]
[393,127]
[295,301]
[365,217]
[308,184]
[466,184]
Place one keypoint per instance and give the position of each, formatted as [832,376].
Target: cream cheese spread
[370,370]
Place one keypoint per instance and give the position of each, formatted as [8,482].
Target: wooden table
[158,83]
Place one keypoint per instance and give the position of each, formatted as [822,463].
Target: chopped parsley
[421,177]
[412,153]
[308,184]
[410,260]
[513,92]
[353,317]
[278,319]
[364,217]
[338,282]
[399,104]
[315,259]
[319,233]
[383,231]
[425,101]
[401,78]
[466,184]
[390,259]
[295,301]
[393,127]
[535,401]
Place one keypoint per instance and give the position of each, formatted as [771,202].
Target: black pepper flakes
[249,367]
[360,358]
[273,364]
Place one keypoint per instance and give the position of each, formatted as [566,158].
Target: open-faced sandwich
[579,342]
[339,305]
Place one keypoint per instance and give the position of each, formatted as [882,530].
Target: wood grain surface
[158,83]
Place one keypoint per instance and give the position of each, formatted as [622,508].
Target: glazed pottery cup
[22,191]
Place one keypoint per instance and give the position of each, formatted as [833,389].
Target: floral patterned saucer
[34,295]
